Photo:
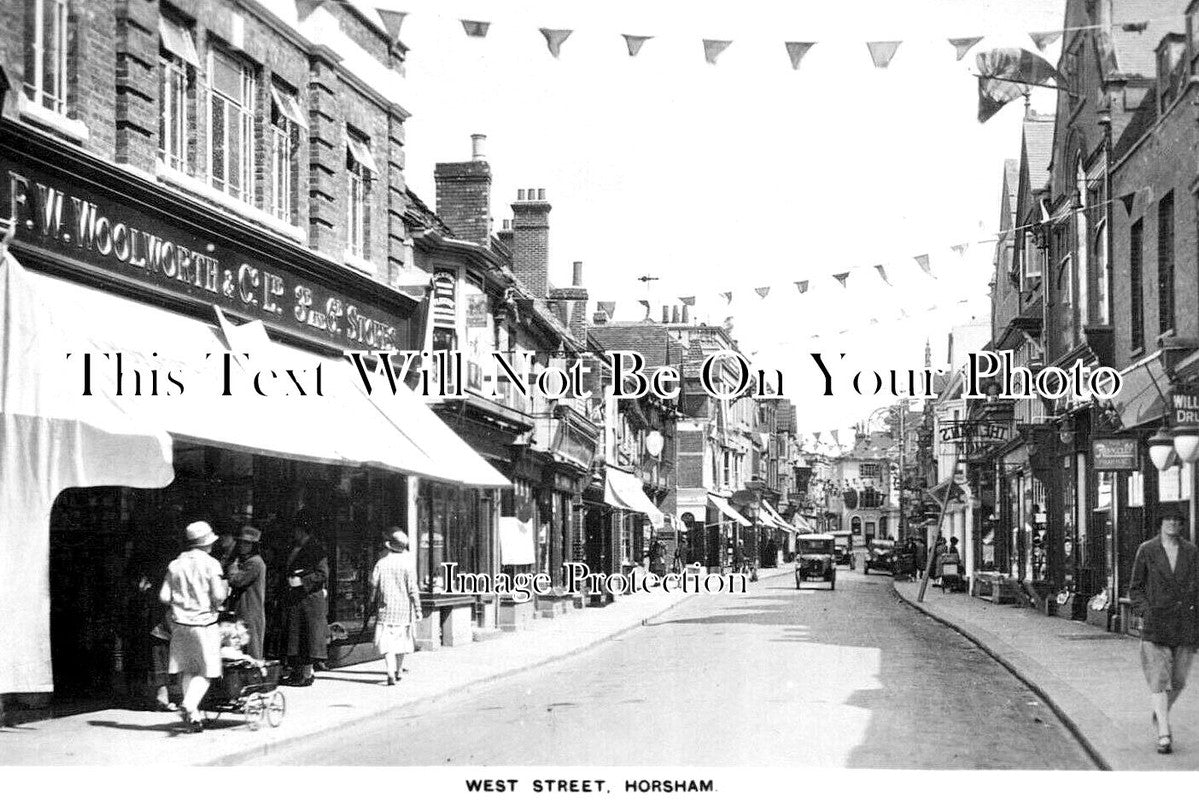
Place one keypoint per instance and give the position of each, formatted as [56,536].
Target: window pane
[234,153]
[226,76]
[50,53]
[216,141]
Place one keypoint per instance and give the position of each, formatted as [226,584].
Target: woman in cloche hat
[393,588]
[246,572]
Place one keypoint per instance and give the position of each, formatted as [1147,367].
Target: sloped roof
[651,339]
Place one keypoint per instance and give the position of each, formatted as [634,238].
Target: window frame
[284,153]
[359,174]
[35,55]
[247,129]
[1166,263]
[1136,284]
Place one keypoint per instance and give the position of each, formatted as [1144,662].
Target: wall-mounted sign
[100,231]
[445,284]
[1115,455]
[1185,402]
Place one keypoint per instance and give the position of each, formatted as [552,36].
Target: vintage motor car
[843,547]
[815,561]
[880,556]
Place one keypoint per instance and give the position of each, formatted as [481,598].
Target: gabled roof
[652,340]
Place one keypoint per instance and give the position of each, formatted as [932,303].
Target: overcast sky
[746,173]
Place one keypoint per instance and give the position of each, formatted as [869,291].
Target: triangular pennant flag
[554,38]
[762,291]
[796,51]
[608,307]
[713,48]
[1043,39]
[882,52]
[802,286]
[475,28]
[728,296]
[1128,200]
[841,277]
[687,301]
[836,437]
[923,262]
[961,249]
[392,20]
[634,42]
[874,320]
[816,435]
[882,273]
[964,44]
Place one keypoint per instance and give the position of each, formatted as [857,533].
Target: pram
[246,686]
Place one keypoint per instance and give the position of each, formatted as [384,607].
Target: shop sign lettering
[118,239]
[1115,455]
[1186,405]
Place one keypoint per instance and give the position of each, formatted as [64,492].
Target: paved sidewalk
[339,697]
[1090,677]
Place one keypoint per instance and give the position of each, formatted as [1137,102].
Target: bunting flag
[903,314]
[554,39]
[392,20]
[687,301]
[882,273]
[1043,39]
[816,435]
[923,262]
[1134,27]
[634,43]
[475,28]
[961,249]
[874,320]
[1006,73]
[1128,200]
[796,51]
[963,45]
[608,307]
[762,291]
[841,278]
[836,437]
[882,52]
[802,286]
[728,296]
[713,48]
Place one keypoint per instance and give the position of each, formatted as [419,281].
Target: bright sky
[746,173]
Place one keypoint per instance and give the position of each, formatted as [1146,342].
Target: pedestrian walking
[921,555]
[394,593]
[194,589]
[306,600]
[1164,591]
[246,573]
[938,555]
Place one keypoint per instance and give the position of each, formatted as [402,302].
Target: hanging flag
[923,262]
[646,304]
[608,307]
[816,435]
[964,44]
[728,296]
[475,28]
[554,39]
[634,43]
[997,69]
[713,48]
[392,20]
[1128,200]
[882,273]
[961,249]
[882,52]
[841,277]
[687,301]
[762,291]
[796,51]
[836,437]
[1043,39]
[802,286]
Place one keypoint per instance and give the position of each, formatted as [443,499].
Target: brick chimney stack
[504,234]
[531,240]
[571,304]
[464,194]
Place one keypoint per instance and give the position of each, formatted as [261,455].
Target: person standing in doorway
[246,572]
[1164,591]
[394,592]
[194,589]
[307,602]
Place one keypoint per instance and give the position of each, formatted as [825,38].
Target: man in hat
[394,591]
[1164,590]
[246,572]
[194,589]
[306,602]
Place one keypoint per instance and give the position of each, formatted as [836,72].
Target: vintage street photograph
[626,398]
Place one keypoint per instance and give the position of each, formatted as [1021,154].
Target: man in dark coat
[1164,591]
[246,573]
[306,602]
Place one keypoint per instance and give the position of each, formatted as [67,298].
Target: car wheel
[865,570]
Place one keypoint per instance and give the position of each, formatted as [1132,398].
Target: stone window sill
[42,117]
[181,180]
[359,263]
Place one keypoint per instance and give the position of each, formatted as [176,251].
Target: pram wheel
[255,710]
[276,709]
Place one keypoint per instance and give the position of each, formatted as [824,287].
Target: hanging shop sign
[1115,455]
[101,232]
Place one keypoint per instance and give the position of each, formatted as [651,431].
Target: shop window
[287,120]
[1174,484]
[1136,296]
[232,89]
[46,53]
[1165,264]
[361,169]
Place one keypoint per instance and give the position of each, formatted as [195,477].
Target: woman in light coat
[393,590]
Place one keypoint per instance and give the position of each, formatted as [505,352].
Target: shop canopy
[779,522]
[803,526]
[723,507]
[623,490]
[1141,399]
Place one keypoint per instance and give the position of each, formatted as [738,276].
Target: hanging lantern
[1186,442]
[1161,449]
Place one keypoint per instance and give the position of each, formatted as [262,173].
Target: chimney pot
[665,315]
[507,224]
[577,278]
[520,194]
[477,142]
[531,194]
[541,194]
[685,314]
[674,315]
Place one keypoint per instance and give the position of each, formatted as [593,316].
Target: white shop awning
[723,507]
[623,490]
[779,522]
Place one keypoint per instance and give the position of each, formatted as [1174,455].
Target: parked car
[843,547]
[880,556]
[815,559]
